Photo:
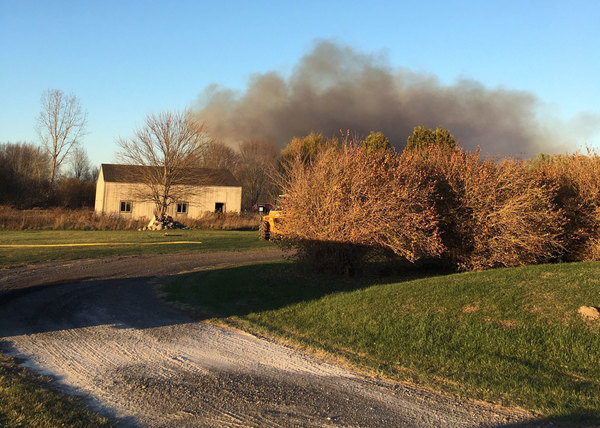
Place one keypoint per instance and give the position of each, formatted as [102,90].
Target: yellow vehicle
[268,228]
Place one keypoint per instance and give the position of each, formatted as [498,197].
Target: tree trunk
[161,208]
[52,171]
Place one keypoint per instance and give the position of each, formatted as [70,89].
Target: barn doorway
[219,207]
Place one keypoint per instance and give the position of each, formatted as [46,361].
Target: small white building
[119,191]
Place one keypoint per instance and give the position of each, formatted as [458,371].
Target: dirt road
[98,328]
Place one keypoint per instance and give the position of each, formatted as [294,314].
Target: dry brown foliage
[62,219]
[438,202]
[350,196]
[514,222]
[576,178]
[226,221]
[491,213]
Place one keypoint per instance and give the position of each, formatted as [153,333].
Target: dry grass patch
[469,309]
[86,219]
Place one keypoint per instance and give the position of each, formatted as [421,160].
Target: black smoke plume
[336,88]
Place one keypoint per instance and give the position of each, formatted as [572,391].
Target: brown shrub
[512,221]
[349,196]
[436,202]
[73,193]
[491,213]
[576,179]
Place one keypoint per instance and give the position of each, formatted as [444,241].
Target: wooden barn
[120,190]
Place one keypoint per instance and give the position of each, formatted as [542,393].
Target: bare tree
[94,172]
[258,160]
[60,126]
[80,165]
[24,159]
[220,156]
[165,149]
[23,174]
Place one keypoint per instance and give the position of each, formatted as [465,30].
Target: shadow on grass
[583,419]
[241,290]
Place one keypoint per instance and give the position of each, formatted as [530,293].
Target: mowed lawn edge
[509,336]
[33,246]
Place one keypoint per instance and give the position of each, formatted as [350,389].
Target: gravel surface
[97,327]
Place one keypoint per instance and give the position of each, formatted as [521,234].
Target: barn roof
[116,173]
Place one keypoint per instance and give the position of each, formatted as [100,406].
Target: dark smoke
[335,88]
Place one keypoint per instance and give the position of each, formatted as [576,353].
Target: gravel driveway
[97,327]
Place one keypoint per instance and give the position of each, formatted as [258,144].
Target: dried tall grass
[62,219]
[86,219]
[226,221]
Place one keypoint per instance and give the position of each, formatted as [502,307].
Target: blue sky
[125,59]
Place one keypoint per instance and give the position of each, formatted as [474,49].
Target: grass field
[31,246]
[511,336]
[26,400]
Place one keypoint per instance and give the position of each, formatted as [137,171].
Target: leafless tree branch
[60,126]
[166,147]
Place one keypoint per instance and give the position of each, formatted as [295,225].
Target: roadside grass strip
[34,246]
[28,400]
[510,336]
[96,244]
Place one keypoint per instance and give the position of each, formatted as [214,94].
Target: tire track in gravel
[141,362]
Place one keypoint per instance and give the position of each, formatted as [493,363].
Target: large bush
[576,180]
[491,213]
[350,196]
[435,202]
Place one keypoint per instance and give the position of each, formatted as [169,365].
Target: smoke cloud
[335,88]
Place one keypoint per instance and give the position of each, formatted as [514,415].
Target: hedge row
[443,203]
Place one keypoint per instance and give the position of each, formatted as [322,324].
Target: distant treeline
[25,172]
[25,183]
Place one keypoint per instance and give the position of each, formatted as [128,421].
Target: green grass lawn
[512,336]
[144,243]
[26,400]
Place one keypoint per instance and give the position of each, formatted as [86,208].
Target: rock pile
[166,222]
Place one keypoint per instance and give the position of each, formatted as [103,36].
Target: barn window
[219,207]
[182,208]
[126,206]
